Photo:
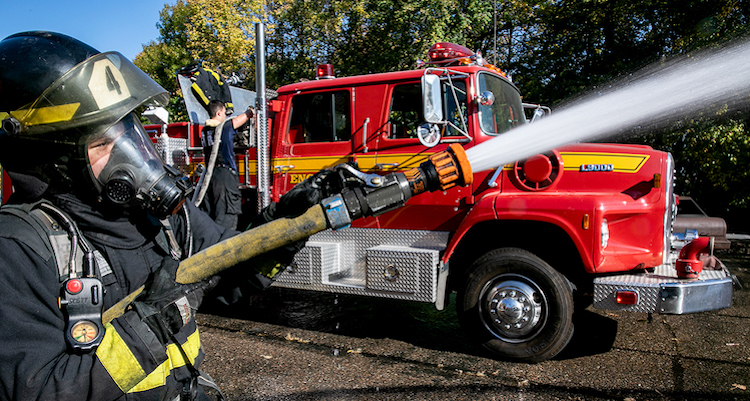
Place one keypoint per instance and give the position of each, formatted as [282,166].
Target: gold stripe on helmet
[46,115]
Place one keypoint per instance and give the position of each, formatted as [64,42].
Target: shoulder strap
[15,221]
[49,238]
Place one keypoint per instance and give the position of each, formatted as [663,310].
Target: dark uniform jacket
[223,200]
[130,363]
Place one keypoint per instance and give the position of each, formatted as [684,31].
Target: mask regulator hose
[440,172]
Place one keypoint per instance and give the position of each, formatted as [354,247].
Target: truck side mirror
[486,98]
[537,112]
[432,99]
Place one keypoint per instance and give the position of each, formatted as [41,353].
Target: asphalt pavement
[297,345]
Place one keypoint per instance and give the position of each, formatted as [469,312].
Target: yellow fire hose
[443,170]
[239,248]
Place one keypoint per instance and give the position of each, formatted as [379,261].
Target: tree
[218,34]
[576,45]
[222,33]
[161,58]
[362,37]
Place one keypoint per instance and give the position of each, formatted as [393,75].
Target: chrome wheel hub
[514,308]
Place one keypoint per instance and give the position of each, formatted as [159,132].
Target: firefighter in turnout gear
[95,214]
[223,199]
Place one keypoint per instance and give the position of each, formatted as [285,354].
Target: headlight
[605,233]
[670,208]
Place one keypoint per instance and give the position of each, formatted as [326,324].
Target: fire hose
[206,176]
[442,170]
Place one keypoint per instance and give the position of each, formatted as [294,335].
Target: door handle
[283,168]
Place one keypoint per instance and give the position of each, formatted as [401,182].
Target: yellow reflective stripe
[621,162]
[158,377]
[311,164]
[198,91]
[387,161]
[216,76]
[46,115]
[117,359]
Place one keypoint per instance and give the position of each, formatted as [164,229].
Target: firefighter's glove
[165,305]
[304,195]
[292,204]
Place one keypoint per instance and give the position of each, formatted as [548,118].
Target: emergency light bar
[443,51]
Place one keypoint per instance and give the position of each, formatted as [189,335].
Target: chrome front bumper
[663,292]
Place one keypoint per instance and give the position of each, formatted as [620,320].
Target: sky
[106,25]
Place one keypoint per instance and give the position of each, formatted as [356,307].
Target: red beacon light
[324,71]
[444,51]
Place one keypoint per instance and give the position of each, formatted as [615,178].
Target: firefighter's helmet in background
[58,98]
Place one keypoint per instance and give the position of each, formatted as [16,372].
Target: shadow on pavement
[414,323]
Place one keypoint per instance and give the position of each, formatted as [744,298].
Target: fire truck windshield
[454,99]
[506,112]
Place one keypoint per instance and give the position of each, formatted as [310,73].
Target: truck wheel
[516,305]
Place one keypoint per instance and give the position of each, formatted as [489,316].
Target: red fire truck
[521,246]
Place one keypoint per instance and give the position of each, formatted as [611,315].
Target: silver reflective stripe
[102,264]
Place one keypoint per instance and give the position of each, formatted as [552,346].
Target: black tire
[535,322]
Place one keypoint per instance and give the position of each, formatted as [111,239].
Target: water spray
[698,84]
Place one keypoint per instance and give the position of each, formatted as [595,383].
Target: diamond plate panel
[172,150]
[350,275]
[397,269]
[316,259]
[648,297]
[647,285]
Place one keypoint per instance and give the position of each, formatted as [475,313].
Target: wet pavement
[298,345]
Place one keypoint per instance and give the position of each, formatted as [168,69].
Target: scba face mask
[127,171]
[88,111]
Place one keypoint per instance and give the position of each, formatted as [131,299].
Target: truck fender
[486,210]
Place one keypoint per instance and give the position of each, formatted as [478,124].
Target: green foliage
[217,33]
[712,157]
[363,37]
[579,44]
[160,59]
[553,49]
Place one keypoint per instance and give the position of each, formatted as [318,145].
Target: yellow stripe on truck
[387,162]
[621,162]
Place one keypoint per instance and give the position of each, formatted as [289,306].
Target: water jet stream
[686,87]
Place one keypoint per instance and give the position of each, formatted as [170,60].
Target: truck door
[399,149]
[318,136]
